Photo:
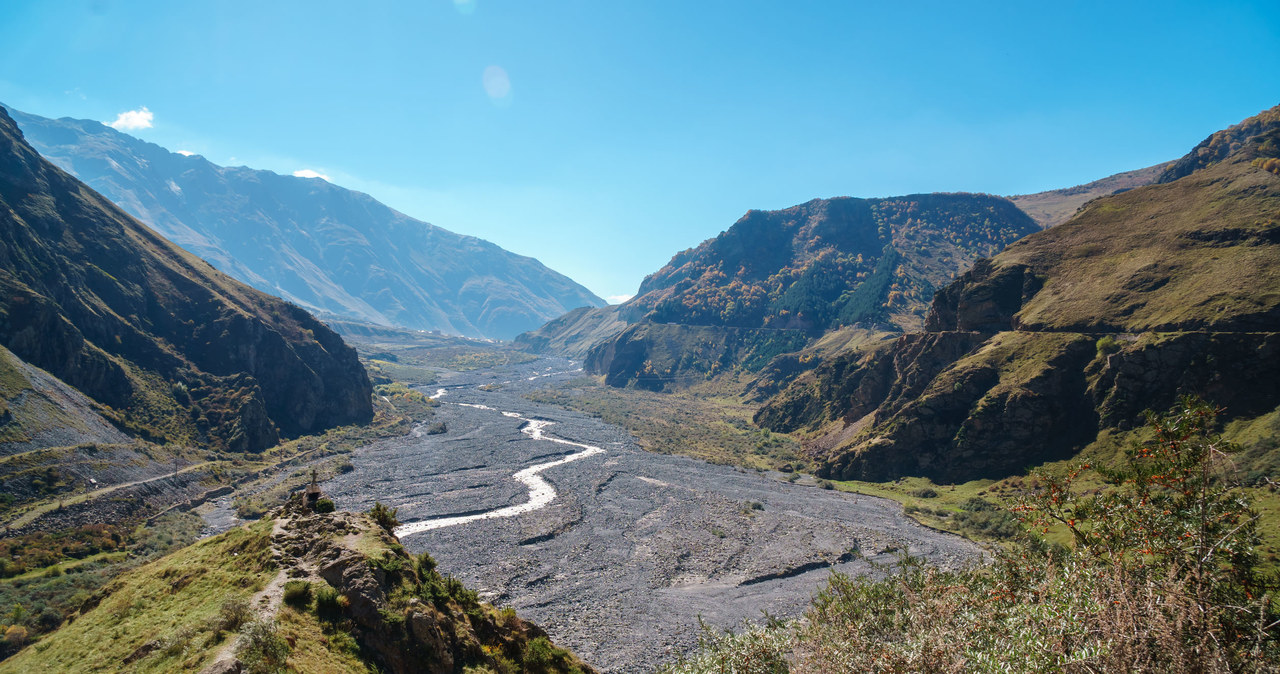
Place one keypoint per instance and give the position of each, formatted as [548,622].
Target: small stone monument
[312,493]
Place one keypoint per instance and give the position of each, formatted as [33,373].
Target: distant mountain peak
[314,243]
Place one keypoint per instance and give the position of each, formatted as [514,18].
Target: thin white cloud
[496,83]
[133,120]
[308,173]
[618,299]
[185,153]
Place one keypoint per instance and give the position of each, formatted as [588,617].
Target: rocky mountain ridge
[318,245]
[777,279]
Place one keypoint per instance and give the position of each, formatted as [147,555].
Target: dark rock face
[956,406]
[986,299]
[974,420]
[658,356]
[311,242]
[1238,370]
[178,351]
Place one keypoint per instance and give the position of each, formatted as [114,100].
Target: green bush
[261,650]
[1108,344]
[48,619]
[297,593]
[756,649]
[389,562]
[233,613]
[328,603]
[540,655]
[459,592]
[324,505]
[1172,510]
[392,617]
[385,517]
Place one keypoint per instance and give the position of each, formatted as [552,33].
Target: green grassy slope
[162,617]
[302,591]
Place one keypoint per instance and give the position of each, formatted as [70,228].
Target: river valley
[617,552]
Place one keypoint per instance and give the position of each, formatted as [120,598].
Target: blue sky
[604,136]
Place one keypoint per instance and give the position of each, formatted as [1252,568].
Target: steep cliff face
[831,262]
[655,356]
[316,244]
[1160,291]
[171,349]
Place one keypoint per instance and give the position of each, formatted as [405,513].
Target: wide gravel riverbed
[632,548]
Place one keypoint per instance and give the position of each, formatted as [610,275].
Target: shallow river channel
[616,552]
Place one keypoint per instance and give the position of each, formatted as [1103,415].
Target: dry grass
[1162,576]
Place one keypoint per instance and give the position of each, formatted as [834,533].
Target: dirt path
[265,602]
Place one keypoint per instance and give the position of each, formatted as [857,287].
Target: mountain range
[328,249]
[933,239]
[1069,334]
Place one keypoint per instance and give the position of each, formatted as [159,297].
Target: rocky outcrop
[174,350]
[1239,371]
[855,384]
[407,618]
[986,299]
